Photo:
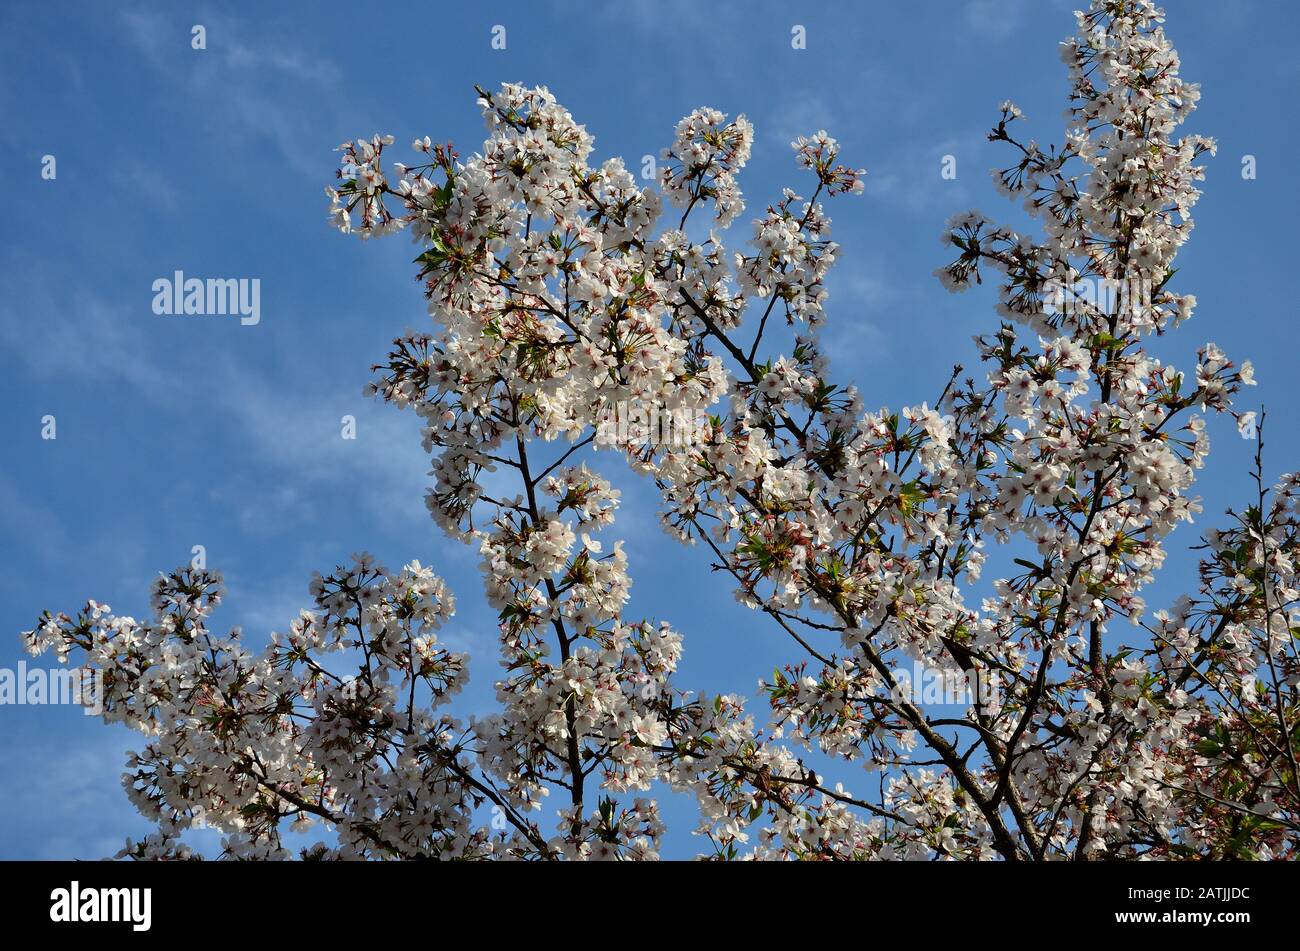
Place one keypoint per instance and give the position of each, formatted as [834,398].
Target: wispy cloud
[249,78]
[76,790]
[994,18]
[286,426]
[51,331]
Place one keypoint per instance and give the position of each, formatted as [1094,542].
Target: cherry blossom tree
[564,293]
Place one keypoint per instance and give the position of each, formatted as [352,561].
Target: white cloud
[239,78]
[76,790]
[994,18]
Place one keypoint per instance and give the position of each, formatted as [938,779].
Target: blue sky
[174,432]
